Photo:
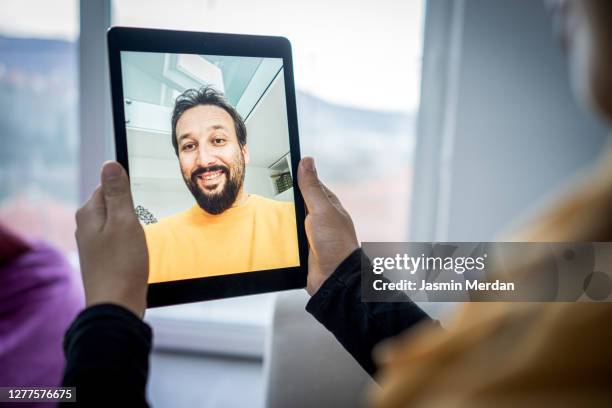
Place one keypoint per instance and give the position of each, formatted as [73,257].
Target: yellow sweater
[260,234]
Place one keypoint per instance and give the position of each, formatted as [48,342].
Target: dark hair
[206,96]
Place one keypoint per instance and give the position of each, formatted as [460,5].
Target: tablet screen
[210,164]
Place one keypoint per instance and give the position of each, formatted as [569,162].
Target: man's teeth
[210,176]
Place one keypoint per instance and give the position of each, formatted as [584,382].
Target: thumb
[312,190]
[116,189]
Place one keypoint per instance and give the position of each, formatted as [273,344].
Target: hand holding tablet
[114,257]
[112,248]
[329,227]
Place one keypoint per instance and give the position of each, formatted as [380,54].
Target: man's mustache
[201,170]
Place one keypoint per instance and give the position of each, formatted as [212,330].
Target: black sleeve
[107,357]
[358,325]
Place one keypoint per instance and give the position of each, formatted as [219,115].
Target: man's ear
[245,153]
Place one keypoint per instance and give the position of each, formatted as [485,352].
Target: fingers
[312,190]
[116,192]
[333,199]
[92,216]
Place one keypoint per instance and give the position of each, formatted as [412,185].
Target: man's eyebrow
[183,136]
[213,127]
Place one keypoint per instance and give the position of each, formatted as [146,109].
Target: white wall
[515,131]
[257,181]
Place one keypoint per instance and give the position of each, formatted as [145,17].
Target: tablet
[206,126]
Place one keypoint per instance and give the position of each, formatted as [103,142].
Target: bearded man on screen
[228,230]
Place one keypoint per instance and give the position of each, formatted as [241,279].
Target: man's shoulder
[279,205]
[277,214]
[166,223]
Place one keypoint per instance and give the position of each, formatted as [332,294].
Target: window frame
[442,45]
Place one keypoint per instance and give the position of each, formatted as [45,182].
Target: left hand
[112,247]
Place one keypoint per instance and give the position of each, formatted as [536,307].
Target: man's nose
[206,156]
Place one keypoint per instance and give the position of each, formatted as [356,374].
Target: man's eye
[188,146]
[218,140]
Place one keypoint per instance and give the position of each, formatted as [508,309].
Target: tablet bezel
[187,42]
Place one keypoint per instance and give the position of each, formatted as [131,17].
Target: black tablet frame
[188,42]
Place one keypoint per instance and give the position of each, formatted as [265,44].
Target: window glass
[38,119]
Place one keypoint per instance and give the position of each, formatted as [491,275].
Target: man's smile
[210,175]
[210,180]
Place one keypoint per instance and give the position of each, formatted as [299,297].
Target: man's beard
[216,203]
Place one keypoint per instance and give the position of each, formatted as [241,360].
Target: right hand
[329,228]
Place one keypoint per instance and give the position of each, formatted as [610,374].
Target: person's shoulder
[281,211]
[271,203]
[165,224]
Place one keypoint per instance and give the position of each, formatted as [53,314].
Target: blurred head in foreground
[585,30]
[528,353]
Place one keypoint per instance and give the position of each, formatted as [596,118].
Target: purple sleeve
[40,294]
